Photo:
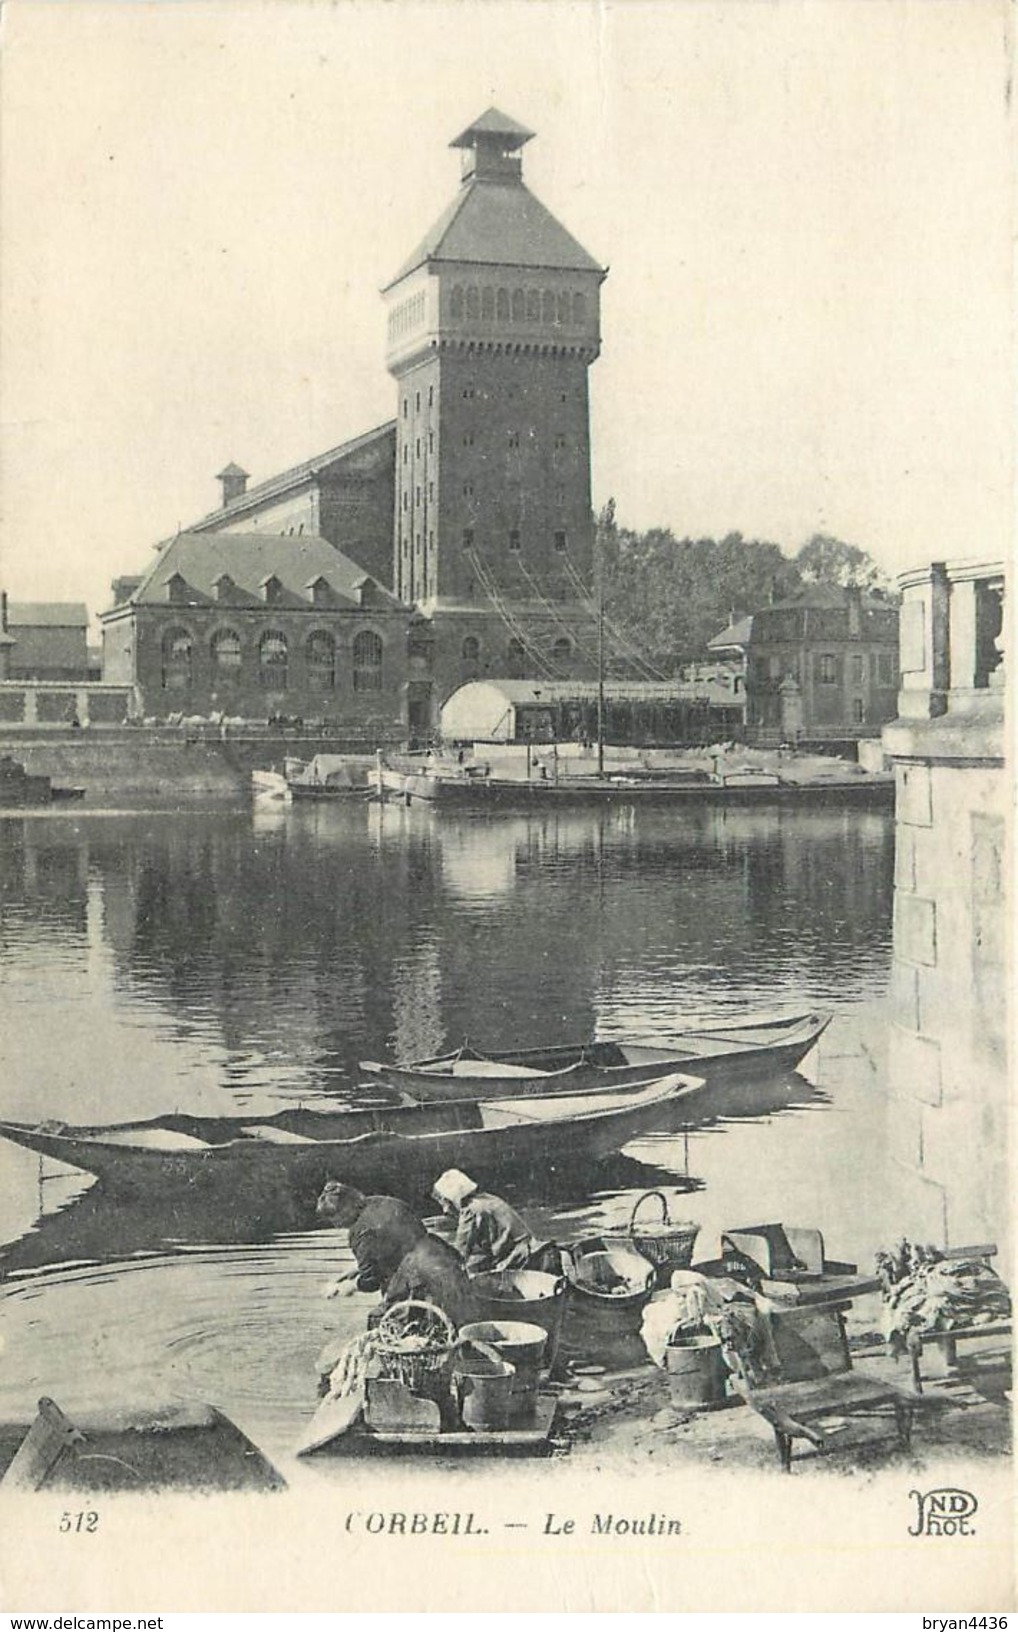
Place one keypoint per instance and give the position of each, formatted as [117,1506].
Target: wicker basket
[668,1245]
[413,1342]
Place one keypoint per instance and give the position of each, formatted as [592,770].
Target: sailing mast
[604,521]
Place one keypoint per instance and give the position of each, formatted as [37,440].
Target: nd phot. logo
[944,1512]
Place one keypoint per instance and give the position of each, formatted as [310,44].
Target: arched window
[502,305]
[579,308]
[562,650]
[519,306]
[473,301]
[548,306]
[563,307]
[321,661]
[533,305]
[226,656]
[273,660]
[178,653]
[367,661]
[456,301]
[516,657]
[487,301]
[471,658]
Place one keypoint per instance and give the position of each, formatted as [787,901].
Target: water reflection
[228,961]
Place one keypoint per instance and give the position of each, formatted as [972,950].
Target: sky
[805,210]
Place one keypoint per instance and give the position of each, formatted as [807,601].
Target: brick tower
[493,322]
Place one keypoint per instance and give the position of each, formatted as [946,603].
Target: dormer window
[320,591]
[224,587]
[270,588]
[178,590]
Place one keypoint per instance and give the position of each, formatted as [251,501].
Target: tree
[670,596]
[827,560]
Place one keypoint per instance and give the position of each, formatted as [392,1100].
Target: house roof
[250,560]
[47,615]
[830,596]
[522,693]
[499,223]
[273,486]
[737,634]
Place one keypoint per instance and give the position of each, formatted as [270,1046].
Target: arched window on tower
[519,305]
[533,305]
[548,306]
[321,661]
[563,307]
[487,302]
[178,654]
[456,302]
[367,661]
[273,660]
[579,308]
[473,300]
[516,659]
[562,651]
[502,305]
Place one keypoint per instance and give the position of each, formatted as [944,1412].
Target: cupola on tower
[493,322]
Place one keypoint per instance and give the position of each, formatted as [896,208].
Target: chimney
[234,482]
[853,596]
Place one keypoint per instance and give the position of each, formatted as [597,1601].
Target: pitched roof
[499,224]
[830,596]
[47,614]
[494,123]
[273,486]
[249,559]
[737,634]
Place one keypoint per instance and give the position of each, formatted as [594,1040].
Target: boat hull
[503,793]
[719,1057]
[404,1149]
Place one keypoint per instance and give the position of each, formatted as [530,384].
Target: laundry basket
[413,1342]
[667,1243]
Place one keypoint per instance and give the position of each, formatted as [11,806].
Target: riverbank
[187,765]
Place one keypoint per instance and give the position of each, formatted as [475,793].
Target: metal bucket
[609,1286]
[528,1295]
[484,1385]
[522,1347]
[696,1372]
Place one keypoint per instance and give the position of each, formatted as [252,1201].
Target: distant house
[45,640]
[257,624]
[823,666]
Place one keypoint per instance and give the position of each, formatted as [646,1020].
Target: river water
[241,960]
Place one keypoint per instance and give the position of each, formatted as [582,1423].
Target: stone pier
[947,1068]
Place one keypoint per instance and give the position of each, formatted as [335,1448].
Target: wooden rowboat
[752,1047]
[405,1146]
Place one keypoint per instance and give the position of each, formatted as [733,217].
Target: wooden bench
[942,1346]
[820,1397]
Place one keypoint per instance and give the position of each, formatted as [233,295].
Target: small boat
[177,1446]
[326,776]
[751,1047]
[405,1145]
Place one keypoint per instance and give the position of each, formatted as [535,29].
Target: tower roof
[495,220]
[494,123]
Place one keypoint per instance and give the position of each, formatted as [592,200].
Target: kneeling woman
[396,1255]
